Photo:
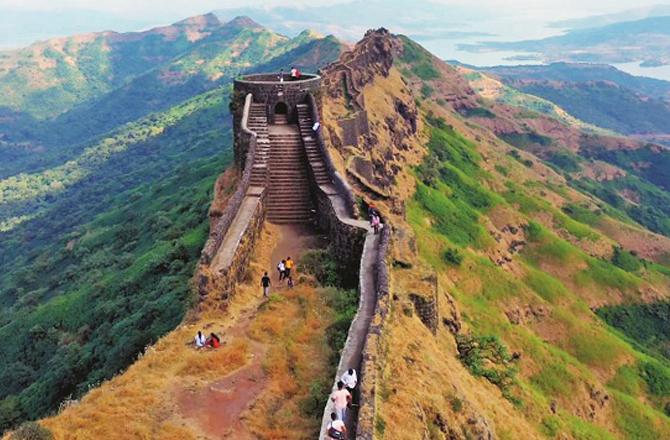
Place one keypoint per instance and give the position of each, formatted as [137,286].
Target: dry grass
[286,336]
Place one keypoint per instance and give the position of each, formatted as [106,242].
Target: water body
[634,68]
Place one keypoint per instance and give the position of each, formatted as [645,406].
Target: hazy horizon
[440,25]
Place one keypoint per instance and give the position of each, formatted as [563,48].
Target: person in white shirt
[337,430]
[350,380]
[199,340]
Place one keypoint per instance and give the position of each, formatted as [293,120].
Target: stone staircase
[258,123]
[289,197]
[281,119]
[314,156]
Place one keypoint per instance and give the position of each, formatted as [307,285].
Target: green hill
[101,225]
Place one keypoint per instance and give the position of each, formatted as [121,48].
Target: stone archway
[281,109]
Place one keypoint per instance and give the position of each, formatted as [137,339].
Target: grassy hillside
[598,94]
[523,262]
[101,267]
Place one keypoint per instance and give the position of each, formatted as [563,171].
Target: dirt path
[218,409]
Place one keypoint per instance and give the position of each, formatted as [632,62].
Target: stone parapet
[340,183]
[267,89]
[218,232]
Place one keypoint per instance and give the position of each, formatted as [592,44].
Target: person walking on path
[281,268]
[288,265]
[341,398]
[265,283]
[350,380]
[337,430]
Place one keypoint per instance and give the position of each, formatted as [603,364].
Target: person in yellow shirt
[288,266]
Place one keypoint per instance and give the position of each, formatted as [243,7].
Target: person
[295,74]
[375,223]
[281,75]
[200,340]
[213,341]
[350,380]
[290,282]
[372,210]
[337,430]
[265,282]
[341,398]
[288,265]
[281,267]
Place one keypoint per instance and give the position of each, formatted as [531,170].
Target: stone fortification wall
[235,271]
[371,351]
[341,185]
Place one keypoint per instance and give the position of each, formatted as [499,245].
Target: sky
[174,9]
[25,21]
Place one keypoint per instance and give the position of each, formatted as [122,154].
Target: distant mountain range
[597,94]
[606,19]
[57,93]
[646,41]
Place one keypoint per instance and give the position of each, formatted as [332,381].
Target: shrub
[32,431]
[320,264]
[312,405]
[486,356]
[625,260]
[453,257]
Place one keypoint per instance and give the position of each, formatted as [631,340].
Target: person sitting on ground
[337,430]
[288,265]
[265,283]
[213,341]
[200,340]
[350,379]
[341,398]
[281,267]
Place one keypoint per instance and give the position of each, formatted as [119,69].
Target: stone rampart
[234,272]
[340,183]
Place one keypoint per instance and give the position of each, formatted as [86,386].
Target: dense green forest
[103,266]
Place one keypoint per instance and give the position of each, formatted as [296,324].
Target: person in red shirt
[213,341]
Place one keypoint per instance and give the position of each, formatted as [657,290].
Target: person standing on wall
[265,283]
